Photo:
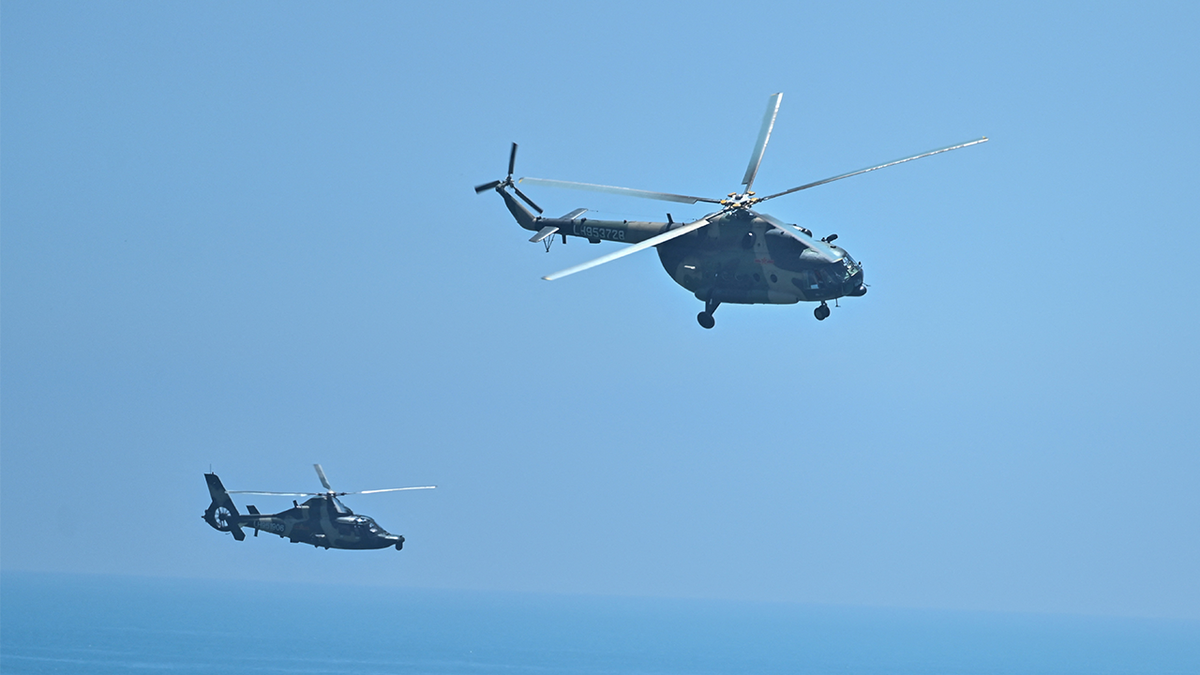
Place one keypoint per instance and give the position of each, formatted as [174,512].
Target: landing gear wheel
[821,312]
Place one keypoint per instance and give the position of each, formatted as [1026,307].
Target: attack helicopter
[733,255]
[322,520]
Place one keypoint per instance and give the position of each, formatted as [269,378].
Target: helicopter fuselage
[734,255]
[740,257]
[323,522]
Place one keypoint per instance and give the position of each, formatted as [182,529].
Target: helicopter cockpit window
[852,267]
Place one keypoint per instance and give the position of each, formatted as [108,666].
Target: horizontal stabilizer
[574,214]
[543,233]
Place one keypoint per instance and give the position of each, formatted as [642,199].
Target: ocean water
[95,624]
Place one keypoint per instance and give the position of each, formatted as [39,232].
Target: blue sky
[244,236]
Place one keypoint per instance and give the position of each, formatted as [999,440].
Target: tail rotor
[507,182]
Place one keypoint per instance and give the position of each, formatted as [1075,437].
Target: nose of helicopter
[398,539]
[855,286]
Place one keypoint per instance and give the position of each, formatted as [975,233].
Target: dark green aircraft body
[322,520]
[734,255]
[740,257]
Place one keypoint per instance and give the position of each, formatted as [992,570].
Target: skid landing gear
[821,312]
[706,317]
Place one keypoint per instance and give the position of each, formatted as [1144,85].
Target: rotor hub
[742,200]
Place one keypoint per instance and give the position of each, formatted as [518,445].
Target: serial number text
[610,233]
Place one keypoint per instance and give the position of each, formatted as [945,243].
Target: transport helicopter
[733,255]
[322,520]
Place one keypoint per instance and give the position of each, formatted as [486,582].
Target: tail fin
[221,514]
[525,217]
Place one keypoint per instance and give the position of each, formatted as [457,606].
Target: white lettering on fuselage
[599,232]
[269,526]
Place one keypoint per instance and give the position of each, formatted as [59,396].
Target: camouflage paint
[322,521]
[739,258]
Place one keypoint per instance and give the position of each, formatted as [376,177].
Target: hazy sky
[244,236]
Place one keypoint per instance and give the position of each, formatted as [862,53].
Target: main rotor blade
[760,145]
[627,192]
[487,186]
[512,159]
[640,246]
[280,494]
[321,475]
[873,168]
[822,249]
[367,492]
